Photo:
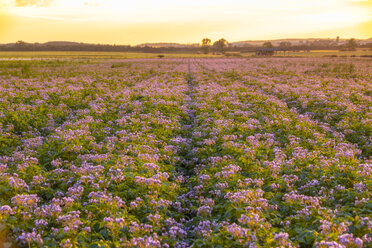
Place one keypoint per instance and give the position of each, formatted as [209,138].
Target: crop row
[162,153]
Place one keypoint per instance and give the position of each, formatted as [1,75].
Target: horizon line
[188,43]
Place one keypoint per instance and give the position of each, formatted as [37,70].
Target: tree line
[350,45]
[222,45]
[24,46]
[206,46]
[218,46]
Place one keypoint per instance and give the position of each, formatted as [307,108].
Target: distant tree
[21,45]
[338,39]
[285,44]
[268,44]
[370,46]
[206,45]
[352,45]
[220,45]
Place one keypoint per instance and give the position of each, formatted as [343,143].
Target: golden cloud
[39,3]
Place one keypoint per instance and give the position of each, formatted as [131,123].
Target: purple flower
[32,237]
[6,210]
[27,201]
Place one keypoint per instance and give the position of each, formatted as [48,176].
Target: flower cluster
[235,153]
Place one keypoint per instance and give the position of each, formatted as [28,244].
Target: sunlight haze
[134,22]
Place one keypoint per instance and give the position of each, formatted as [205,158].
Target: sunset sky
[139,21]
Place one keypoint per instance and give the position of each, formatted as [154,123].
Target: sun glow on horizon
[121,22]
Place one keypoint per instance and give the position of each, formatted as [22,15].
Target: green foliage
[206,45]
[267,44]
[220,45]
[258,152]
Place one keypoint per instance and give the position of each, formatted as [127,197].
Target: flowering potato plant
[178,153]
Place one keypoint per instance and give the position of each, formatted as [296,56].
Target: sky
[182,21]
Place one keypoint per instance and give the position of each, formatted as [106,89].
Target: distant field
[321,53]
[97,55]
[130,55]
